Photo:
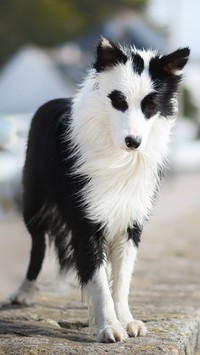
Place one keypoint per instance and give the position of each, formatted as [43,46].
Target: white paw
[112,333]
[136,328]
[24,295]
[21,297]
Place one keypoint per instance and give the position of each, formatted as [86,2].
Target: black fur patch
[50,193]
[37,256]
[175,61]
[149,105]
[134,234]
[118,100]
[163,70]
[165,85]
[108,56]
[138,63]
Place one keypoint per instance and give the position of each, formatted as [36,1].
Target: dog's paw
[21,298]
[136,328]
[112,333]
[24,295]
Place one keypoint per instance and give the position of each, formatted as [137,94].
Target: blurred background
[46,48]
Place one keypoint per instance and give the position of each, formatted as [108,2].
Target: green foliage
[188,106]
[189,109]
[49,22]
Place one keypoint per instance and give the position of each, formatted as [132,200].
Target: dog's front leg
[109,327]
[122,259]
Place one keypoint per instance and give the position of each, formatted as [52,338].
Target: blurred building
[28,80]
[129,27]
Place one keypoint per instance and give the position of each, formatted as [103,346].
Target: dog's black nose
[133,142]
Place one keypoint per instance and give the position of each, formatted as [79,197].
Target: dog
[92,171]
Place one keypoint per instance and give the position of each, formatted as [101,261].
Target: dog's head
[137,88]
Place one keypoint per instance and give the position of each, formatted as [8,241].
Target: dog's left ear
[107,55]
[174,62]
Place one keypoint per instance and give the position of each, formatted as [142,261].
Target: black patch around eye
[138,63]
[149,105]
[166,85]
[118,100]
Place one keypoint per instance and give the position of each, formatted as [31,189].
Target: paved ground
[165,292]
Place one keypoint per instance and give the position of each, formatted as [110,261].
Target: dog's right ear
[108,55]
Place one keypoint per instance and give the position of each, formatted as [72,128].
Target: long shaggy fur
[92,170]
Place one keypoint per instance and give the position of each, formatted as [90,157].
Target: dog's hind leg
[34,218]
[122,260]
[26,292]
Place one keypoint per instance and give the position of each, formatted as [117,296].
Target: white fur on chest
[120,197]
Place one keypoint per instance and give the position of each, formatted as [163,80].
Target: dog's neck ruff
[116,177]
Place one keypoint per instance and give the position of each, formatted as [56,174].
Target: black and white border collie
[92,169]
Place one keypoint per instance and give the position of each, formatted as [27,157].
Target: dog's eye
[149,105]
[118,100]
